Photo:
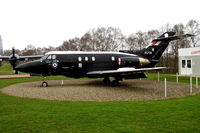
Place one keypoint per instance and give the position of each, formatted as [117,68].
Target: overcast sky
[49,22]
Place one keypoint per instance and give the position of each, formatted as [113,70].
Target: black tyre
[115,83]
[106,81]
[44,84]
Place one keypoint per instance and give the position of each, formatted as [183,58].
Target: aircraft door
[53,64]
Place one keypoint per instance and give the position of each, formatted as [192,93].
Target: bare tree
[132,42]
[175,45]
[103,39]
[86,42]
[141,39]
[29,50]
[70,45]
[193,27]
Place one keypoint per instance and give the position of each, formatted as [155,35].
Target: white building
[189,61]
[1,46]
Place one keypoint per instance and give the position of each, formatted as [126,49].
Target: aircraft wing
[30,57]
[7,58]
[124,70]
[174,37]
[4,58]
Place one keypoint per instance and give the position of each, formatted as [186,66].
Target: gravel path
[95,90]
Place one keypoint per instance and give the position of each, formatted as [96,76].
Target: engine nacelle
[133,61]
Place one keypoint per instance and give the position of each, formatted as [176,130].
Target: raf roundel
[55,65]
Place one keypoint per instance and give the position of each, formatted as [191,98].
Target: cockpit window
[49,57]
[53,57]
[44,57]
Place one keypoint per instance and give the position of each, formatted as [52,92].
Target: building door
[186,68]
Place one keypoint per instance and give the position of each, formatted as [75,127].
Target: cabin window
[86,58]
[79,59]
[80,65]
[49,57]
[53,57]
[93,58]
[113,58]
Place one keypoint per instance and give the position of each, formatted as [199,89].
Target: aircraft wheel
[115,83]
[106,81]
[44,84]
[16,72]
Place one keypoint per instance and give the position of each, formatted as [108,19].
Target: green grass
[24,115]
[171,77]
[6,68]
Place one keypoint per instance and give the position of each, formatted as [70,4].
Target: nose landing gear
[44,83]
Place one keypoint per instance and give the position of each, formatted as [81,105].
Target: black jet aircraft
[14,58]
[121,65]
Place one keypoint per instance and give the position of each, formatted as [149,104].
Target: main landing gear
[106,81]
[44,83]
[115,82]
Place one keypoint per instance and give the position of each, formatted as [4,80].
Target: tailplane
[155,49]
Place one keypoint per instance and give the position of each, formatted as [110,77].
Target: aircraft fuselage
[77,64]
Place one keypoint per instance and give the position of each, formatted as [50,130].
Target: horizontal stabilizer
[173,37]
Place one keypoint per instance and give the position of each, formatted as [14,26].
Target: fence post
[158,76]
[197,84]
[176,77]
[165,87]
[190,84]
[61,82]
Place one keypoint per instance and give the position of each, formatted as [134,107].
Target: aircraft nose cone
[36,66]
[21,68]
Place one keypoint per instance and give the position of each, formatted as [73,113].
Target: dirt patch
[95,90]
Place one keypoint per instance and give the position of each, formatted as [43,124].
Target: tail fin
[155,49]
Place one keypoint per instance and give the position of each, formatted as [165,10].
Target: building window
[93,58]
[188,63]
[79,59]
[86,58]
[113,58]
[183,63]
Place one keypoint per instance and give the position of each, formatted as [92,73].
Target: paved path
[95,90]
[14,76]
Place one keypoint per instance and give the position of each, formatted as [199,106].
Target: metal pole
[197,84]
[61,82]
[190,84]
[176,77]
[165,87]
[158,76]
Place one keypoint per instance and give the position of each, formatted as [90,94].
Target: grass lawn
[5,68]
[24,115]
